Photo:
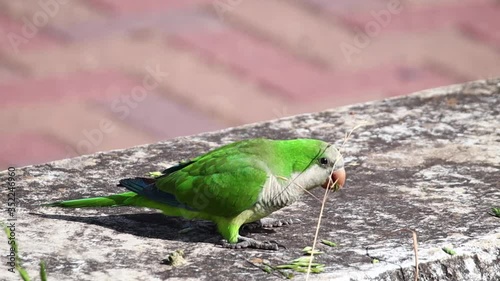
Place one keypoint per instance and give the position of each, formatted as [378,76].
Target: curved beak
[337,180]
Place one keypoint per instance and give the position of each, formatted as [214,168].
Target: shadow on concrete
[155,225]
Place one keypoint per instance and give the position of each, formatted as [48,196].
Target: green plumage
[224,185]
[107,201]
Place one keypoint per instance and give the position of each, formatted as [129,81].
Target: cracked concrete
[428,162]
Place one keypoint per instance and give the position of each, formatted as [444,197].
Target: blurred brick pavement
[79,76]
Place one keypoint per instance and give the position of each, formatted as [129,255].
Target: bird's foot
[267,223]
[245,242]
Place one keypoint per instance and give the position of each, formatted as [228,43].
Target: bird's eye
[323,161]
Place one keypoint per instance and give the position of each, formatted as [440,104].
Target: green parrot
[233,185]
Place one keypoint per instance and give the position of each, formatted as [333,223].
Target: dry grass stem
[415,249]
[318,225]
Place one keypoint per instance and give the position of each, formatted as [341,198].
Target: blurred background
[80,76]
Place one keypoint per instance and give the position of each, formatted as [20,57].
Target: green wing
[224,182]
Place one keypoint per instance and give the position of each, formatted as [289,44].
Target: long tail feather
[105,201]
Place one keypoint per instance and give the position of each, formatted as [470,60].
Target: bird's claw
[268,223]
[276,223]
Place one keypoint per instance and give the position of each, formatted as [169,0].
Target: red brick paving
[286,74]
[281,70]
[291,26]
[18,36]
[228,63]
[421,19]
[59,12]
[487,31]
[103,85]
[7,74]
[81,125]
[347,7]
[144,6]
[23,149]
[397,80]
[162,117]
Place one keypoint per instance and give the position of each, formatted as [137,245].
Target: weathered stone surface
[428,162]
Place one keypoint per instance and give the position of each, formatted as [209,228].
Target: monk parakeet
[235,184]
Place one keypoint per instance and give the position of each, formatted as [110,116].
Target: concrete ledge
[429,162]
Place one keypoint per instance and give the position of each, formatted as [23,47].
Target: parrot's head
[317,163]
[325,167]
[331,163]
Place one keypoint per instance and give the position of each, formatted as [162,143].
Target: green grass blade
[329,243]
[449,251]
[495,212]
[43,271]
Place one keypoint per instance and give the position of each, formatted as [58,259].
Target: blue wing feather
[147,188]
